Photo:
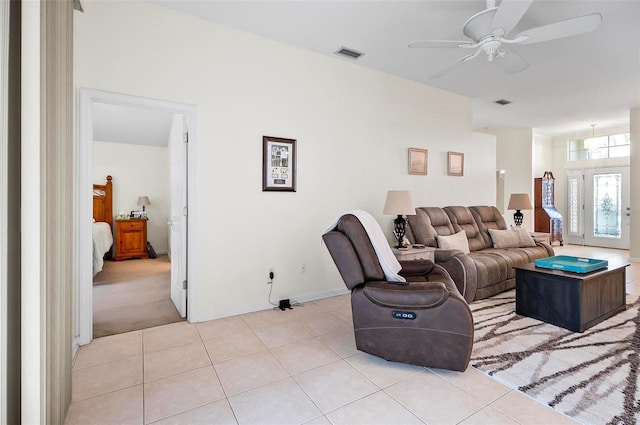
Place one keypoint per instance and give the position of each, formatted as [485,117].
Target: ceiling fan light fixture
[503,102]
[349,53]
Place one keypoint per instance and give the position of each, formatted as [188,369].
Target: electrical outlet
[271,275]
[303,268]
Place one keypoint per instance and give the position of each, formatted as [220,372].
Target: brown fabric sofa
[424,322]
[485,270]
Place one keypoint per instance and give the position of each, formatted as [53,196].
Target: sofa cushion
[421,228]
[457,241]
[462,219]
[427,224]
[490,269]
[511,256]
[488,217]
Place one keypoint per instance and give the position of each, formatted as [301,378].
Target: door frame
[83,290]
[4,199]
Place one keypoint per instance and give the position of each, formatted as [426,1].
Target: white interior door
[606,207]
[178,221]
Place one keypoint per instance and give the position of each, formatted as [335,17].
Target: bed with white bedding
[102,223]
[102,242]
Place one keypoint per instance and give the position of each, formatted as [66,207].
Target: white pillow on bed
[457,241]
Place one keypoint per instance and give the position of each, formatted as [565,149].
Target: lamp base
[517,218]
[399,225]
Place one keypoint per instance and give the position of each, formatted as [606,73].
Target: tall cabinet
[547,218]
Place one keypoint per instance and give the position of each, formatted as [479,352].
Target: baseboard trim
[251,309]
[634,259]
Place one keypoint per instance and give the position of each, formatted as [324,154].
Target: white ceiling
[570,84]
[137,126]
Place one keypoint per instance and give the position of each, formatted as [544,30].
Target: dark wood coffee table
[574,301]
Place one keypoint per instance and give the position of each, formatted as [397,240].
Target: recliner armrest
[415,267]
[416,295]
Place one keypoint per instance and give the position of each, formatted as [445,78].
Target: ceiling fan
[488,31]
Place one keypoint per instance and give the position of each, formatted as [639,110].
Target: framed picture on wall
[455,163]
[278,164]
[418,161]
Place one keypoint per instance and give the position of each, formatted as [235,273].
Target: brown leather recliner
[423,322]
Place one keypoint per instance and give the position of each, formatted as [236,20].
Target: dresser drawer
[131,225]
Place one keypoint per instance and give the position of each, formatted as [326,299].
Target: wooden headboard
[103,202]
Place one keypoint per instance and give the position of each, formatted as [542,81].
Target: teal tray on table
[571,264]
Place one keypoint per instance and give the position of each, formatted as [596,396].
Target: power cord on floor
[284,304]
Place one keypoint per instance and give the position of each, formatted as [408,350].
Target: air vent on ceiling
[502,102]
[350,53]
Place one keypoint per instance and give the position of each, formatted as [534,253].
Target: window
[616,145]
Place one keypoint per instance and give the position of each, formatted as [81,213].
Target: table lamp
[519,201]
[144,201]
[399,203]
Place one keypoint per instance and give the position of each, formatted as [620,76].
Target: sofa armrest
[462,270]
[546,246]
[442,255]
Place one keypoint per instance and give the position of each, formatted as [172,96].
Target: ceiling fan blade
[451,66]
[511,62]
[561,29]
[509,14]
[438,43]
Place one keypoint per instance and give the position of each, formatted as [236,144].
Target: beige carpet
[132,294]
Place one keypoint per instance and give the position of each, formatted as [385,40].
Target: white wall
[353,127]
[137,170]
[514,154]
[542,155]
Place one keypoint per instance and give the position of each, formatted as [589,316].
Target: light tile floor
[293,367]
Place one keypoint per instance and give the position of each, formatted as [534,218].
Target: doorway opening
[145,176]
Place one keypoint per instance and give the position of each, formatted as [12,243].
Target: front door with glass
[598,211]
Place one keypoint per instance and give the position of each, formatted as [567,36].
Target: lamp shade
[519,201]
[143,201]
[399,202]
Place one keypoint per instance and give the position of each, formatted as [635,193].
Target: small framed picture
[418,161]
[278,164]
[455,163]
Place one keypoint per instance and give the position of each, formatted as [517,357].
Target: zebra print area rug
[593,377]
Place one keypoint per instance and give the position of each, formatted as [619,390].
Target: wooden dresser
[131,239]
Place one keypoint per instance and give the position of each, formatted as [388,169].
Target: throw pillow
[525,238]
[457,241]
[504,238]
[517,238]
